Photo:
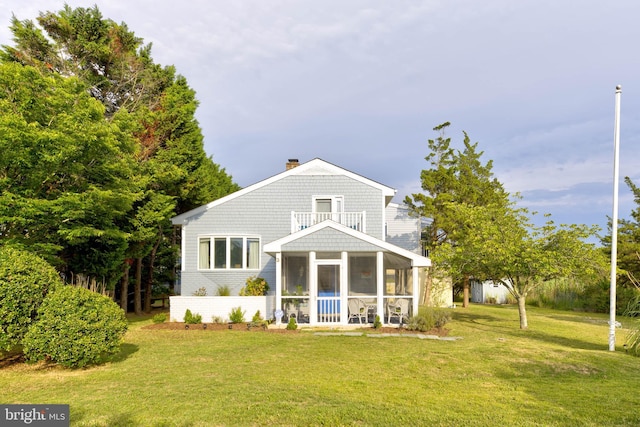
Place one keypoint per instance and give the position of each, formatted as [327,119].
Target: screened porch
[346,288]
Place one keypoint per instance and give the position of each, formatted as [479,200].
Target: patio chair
[303,313]
[291,311]
[399,309]
[357,310]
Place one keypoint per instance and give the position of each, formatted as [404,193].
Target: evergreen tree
[64,173]
[455,177]
[168,169]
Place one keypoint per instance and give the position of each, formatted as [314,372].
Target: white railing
[302,220]
[329,309]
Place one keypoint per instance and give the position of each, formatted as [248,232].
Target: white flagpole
[614,222]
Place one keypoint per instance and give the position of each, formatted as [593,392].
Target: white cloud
[362,83]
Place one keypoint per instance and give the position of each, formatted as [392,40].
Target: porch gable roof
[278,245]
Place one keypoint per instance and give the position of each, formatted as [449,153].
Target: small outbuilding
[489,292]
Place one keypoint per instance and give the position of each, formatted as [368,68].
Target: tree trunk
[147,286]
[124,286]
[522,311]
[149,282]
[465,291]
[137,293]
[426,296]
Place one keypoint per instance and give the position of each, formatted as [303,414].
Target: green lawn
[559,372]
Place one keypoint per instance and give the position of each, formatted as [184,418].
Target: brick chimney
[292,163]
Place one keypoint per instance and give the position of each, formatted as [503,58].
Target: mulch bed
[442,332]
[213,327]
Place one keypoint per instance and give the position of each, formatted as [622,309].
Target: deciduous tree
[504,246]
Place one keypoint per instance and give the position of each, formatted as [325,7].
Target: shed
[489,292]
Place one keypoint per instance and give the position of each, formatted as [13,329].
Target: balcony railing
[302,220]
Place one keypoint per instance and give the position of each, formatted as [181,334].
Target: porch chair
[357,310]
[303,313]
[291,311]
[399,309]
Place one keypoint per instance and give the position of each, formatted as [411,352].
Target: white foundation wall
[208,307]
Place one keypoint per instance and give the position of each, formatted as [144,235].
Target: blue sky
[362,84]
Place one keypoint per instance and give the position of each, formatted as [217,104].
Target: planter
[220,307]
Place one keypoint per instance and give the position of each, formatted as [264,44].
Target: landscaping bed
[441,332]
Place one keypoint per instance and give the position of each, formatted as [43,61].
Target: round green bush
[160,318]
[75,328]
[25,279]
[292,325]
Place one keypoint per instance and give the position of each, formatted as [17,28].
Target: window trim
[228,238]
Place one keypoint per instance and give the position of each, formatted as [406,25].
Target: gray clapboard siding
[266,213]
[403,230]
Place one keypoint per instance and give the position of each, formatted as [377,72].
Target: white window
[229,252]
[328,207]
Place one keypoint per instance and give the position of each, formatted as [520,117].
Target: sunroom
[330,274]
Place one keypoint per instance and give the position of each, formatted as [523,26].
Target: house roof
[313,167]
[277,245]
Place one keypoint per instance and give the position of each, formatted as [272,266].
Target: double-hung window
[229,252]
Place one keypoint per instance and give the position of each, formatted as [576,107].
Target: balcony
[302,220]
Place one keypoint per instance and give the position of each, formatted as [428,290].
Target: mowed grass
[558,373]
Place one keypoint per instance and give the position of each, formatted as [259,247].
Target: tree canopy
[102,146]
[478,232]
[65,171]
[501,244]
[454,177]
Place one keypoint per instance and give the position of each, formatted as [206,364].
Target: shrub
[160,318]
[257,321]
[292,325]
[597,297]
[377,324]
[257,318]
[255,286]
[632,343]
[25,280]
[75,328]
[428,318]
[223,291]
[236,315]
[200,292]
[192,319]
[419,323]
[217,319]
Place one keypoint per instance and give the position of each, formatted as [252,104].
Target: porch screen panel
[236,252]
[253,253]
[398,282]
[295,276]
[204,257]
[362,275]
[220,253]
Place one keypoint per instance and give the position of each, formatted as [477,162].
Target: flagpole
[614,222]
